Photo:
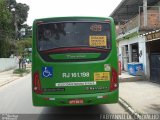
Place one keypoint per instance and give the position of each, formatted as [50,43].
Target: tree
[10,4]
[12,17]
[22,44]
[28,31]
[5,29]
[6,16]
[22,14]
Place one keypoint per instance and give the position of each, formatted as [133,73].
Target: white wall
[8,63]
[148,67]
[142,47]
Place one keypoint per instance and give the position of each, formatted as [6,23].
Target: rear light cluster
[114,80]
[36,83]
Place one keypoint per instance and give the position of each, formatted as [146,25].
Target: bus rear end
[74,62]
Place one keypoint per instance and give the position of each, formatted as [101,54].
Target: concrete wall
[8,63]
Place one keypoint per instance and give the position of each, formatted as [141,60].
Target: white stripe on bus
[75,83]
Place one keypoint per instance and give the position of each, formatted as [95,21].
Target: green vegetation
[21,71]
[6,17]
[22,14]
[22,44]
[5,29]
[12,18]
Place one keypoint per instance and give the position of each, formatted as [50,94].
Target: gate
[155,67]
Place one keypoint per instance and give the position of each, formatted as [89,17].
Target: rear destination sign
[75,83]
[96,41]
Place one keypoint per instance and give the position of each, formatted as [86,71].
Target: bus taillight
[36,84]
[114,80]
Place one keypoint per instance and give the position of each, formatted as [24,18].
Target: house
[138,35]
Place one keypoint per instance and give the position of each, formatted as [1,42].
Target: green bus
[74,61]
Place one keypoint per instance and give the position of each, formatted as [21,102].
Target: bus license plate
[76,101]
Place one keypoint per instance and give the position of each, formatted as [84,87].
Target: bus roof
[73,18]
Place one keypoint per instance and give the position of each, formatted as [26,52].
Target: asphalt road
[16,99]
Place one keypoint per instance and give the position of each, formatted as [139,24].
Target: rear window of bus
[73,34]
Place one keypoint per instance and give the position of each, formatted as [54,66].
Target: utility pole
[15,24]
[145,13]
[15,20]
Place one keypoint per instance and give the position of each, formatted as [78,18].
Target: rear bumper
[63,100]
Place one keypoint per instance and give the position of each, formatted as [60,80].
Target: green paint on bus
[74,61]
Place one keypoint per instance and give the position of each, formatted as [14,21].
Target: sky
[62,8]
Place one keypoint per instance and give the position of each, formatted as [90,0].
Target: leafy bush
[21,71]
[22,44]
[6,27]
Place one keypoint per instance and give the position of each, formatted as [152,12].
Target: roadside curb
[11,80]
[132,79]
[129,109]
[8,81]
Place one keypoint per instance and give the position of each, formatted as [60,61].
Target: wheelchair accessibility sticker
[47,72]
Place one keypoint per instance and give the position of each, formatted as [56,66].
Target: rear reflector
[114,80]
[36,83]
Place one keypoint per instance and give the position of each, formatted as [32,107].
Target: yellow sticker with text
[97,41]
[101,76]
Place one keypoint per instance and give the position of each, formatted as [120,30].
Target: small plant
[21,71]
